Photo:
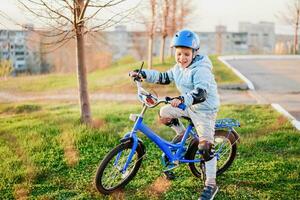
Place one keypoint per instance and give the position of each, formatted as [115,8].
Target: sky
[208,14]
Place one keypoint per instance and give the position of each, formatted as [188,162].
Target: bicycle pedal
[171,167]
[169,175]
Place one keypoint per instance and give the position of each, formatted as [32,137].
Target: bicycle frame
[165,146]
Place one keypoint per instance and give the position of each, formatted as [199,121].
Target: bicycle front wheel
[110,176]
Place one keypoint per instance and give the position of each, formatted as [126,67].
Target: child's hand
[137,75]
[175,102]
[133,74]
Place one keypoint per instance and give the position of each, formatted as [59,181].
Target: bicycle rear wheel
[109,176]
[225,149]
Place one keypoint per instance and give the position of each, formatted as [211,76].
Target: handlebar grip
[182,106]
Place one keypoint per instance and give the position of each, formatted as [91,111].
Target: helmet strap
[194,53]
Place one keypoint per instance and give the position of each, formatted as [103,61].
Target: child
[194,79]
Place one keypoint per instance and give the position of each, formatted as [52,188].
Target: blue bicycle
[122,163]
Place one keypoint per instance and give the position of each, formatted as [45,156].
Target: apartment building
[250,39]
[260,37]
[22,49]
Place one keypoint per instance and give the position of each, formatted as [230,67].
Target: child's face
[183,56]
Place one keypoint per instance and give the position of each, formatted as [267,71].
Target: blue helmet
[186,38]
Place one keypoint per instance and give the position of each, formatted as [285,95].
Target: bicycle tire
[193,148]
[105,163]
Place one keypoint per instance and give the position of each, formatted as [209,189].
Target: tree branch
[110,22]
[83,10]
[62,44]
[56,12]
[69,5]
[107,4]
[60,40]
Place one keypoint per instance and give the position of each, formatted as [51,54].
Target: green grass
[111,79]
[223,74]
[33,140]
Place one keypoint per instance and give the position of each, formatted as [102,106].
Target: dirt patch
[71,156]
[21,192]
[70,152]
[118,195]
[280,121]
[98,123]
[158,187]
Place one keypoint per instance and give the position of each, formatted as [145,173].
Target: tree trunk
[164,32]
[173,27]
[150,50]
[151,33]
[162,49]
[85,113]
[296,34]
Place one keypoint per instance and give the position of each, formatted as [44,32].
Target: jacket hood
[201,61]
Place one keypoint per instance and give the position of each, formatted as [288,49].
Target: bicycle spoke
[113,176]
[223,148]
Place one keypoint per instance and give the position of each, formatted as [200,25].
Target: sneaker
[169,175]
[209,193]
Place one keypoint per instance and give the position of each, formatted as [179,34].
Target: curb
[245,57]
[250,85]
[281,110]
[241,86]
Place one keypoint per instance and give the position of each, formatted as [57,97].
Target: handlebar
[142,91]
[147,98]
[182,106]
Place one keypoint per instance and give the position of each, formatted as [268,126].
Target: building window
[19,46]
[19,53]
[20,66]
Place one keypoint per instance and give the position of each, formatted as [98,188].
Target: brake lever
[140,70]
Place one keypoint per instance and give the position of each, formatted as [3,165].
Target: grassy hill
[112,79]
[46,154]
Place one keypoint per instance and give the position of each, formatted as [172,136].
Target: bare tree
[185,11]
[138,44]
[68,19]
[292,16]
[180,13]
[151,31]
[164,28]
[173,21]
[5,68]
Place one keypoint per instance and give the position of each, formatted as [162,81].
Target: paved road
[275,81]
